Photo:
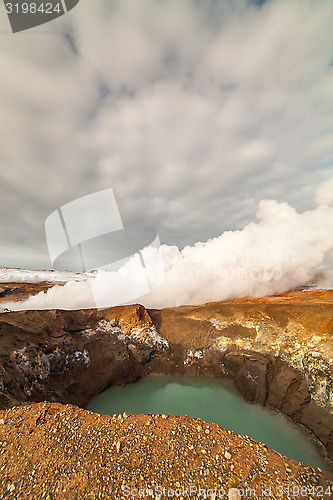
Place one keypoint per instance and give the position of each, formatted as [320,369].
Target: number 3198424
[33,8]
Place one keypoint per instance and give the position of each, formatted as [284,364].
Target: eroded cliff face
[277,351]
[68,356]
[56,452]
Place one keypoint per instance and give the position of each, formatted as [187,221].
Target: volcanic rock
[277,351]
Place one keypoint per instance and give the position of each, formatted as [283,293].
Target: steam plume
[281,251]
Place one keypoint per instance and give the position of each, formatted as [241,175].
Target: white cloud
[191,111]
[324,194]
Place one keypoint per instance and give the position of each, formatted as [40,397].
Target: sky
[191,111]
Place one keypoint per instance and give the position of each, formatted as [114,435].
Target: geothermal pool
[212,401]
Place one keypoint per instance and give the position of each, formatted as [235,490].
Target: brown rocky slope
[51,451]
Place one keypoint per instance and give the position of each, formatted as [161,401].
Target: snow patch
[102,326]
[143,335]
[218,324]
[192,356]
[8,275]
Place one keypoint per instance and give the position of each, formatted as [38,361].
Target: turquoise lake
[212,401]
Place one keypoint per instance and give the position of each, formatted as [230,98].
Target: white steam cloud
[280,252]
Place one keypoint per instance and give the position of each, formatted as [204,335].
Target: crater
[276,351]
[216,402]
